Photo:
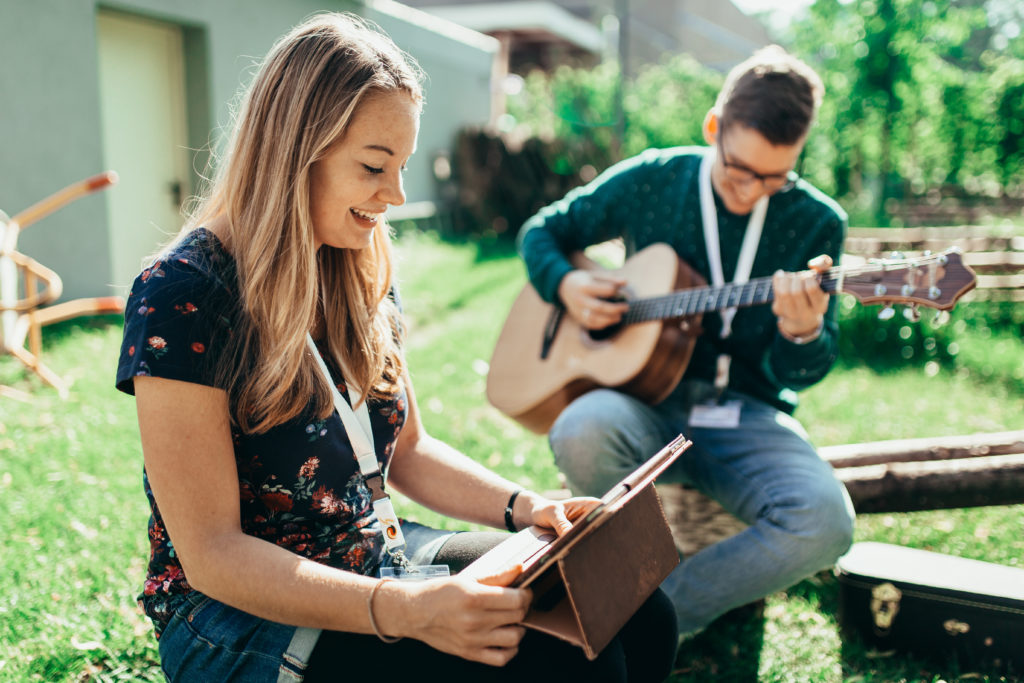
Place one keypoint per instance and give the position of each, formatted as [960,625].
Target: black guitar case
[934,606]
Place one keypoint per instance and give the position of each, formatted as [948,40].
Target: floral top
[299,485]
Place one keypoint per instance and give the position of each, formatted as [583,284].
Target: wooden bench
[996,253]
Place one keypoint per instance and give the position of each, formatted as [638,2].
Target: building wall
[50,119]
[458,65]
[717,33]
[49,133]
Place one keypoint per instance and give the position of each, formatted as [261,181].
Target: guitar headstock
[931,280]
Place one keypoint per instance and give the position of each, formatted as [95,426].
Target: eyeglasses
[738,173]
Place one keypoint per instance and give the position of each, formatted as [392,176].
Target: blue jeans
[765,472]
[208,641]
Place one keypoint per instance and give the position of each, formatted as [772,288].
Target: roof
[527,17]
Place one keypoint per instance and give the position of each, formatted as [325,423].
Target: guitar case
[935,606]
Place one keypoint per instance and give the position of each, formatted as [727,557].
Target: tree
[916,100]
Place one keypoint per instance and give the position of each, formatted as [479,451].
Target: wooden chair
[28,288]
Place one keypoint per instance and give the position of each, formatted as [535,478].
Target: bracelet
[804,338]
[373,622]
[509,524]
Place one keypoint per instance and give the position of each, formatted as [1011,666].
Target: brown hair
[299,103]
[772,92]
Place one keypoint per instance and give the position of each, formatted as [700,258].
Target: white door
[142,97]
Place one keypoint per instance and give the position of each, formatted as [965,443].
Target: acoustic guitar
[544,359]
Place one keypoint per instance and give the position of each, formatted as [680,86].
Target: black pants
[644,650]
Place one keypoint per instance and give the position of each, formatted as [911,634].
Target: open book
[589,582]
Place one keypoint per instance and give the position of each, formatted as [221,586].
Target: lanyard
[748,250]
[360,435]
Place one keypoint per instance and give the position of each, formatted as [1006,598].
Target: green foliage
[664,106]
[979,339]
[576,107]
[924,104]
[917,99]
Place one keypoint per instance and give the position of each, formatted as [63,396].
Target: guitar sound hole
[605,333]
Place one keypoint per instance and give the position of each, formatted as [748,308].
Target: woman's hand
[476,619]
[551,514]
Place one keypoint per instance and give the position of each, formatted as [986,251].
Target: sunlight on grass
[72,519]
[73,515]
[801,643]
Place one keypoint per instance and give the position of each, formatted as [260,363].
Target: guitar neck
[706,299]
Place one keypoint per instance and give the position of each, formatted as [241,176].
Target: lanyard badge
[360,435]
[751,239]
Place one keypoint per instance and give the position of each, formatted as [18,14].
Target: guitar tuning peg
[886,313]
[941,318]
[912,313]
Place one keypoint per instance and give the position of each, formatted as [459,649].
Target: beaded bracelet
[509,524]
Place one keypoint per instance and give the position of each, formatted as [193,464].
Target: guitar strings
[705,298]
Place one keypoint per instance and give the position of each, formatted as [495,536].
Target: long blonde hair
[300,102]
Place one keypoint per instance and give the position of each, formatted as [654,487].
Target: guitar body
[645,360]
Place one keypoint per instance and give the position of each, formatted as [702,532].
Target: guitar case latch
[885,604]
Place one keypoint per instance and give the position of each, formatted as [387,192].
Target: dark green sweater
[654,197]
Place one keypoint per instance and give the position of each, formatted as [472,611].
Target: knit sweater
[654,197]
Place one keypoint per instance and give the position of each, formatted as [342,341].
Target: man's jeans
[765,472]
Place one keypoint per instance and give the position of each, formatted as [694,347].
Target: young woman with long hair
[265,351]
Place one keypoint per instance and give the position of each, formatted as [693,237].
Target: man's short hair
[772,92]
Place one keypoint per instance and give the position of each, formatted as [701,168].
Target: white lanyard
[360,435]
[751,239]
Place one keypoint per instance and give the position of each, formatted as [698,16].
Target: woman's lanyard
[360,435]
[751,239]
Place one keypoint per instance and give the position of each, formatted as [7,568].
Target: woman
[273,308]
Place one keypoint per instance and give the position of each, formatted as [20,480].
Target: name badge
[419,572]
[716,416]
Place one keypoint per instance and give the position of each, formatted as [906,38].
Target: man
[732,211]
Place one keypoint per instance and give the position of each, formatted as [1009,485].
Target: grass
[72,523]
[72,512]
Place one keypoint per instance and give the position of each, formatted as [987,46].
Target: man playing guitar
[735,209]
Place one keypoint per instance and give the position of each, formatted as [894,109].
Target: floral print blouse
[298,484]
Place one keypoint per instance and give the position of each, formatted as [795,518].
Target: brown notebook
[589,582]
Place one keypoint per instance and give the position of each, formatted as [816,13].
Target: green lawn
[72,514]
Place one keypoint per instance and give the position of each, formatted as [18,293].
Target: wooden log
[901,475]
[943,484]
[930,448]
[696,521]
[995,261]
